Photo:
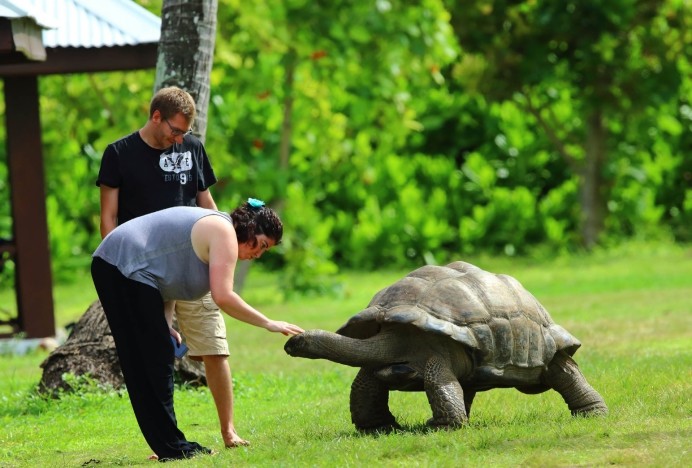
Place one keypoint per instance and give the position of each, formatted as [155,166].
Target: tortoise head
[308,344]
[321,344]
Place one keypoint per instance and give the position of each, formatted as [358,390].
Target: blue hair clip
[255,203]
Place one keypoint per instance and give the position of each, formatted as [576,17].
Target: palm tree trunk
[186,51]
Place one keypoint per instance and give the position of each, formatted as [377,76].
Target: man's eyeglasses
[176,131]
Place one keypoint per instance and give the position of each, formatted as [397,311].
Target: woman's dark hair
[251,221]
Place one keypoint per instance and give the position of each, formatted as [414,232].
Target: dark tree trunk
[594,187]
[90,350]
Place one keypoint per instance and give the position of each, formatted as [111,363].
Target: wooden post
[34,286]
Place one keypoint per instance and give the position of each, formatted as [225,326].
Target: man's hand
[174,333]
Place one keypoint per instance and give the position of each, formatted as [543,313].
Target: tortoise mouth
[294,344]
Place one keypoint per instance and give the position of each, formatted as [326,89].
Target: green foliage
[594,76]
[343,80]
[6,262]
[559,215]
[308,267]
[505,224]
[80,115]
[393,133]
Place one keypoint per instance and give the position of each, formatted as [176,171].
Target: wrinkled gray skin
[450,331]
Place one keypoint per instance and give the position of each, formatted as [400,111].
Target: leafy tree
[384,144]
[314,95]
[581,69]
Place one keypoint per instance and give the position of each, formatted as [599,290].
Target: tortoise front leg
[564,376]
[445,395]
[370,403]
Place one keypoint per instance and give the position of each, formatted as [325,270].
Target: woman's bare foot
[234,440]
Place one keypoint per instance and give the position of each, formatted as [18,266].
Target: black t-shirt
[150,179]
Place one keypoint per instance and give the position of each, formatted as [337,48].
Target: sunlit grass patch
[631,312]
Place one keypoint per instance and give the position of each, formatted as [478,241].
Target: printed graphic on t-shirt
[176,165]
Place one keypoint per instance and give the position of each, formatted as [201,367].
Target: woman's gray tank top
[156,249]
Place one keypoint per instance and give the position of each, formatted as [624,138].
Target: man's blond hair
[171,101]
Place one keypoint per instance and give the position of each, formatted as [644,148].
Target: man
[160,166]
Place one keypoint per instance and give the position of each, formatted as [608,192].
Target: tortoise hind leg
[563,375]
[370,403]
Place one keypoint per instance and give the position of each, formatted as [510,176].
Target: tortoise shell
[492,314]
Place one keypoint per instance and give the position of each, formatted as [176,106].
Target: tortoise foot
[381,429]
[445,424]
[592,410]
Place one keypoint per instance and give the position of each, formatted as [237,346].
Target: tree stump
[90,350]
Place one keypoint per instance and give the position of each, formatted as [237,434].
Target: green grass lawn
[630,307]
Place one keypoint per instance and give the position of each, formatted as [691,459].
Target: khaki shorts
[202,326]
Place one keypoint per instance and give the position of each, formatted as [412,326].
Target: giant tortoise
[450,331]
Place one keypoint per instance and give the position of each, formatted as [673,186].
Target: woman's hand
[283,327]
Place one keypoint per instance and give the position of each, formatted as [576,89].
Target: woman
[176,253]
